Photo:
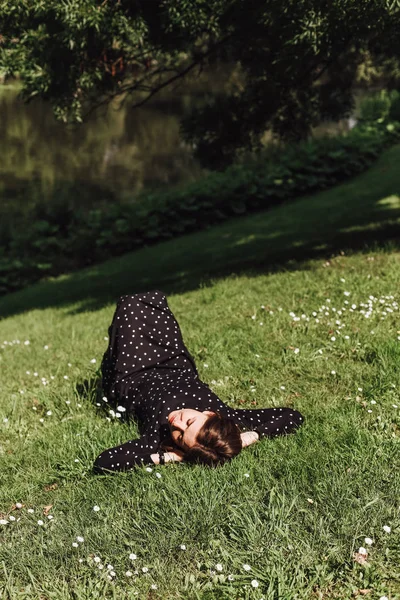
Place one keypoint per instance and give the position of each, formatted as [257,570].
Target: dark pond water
[116,154]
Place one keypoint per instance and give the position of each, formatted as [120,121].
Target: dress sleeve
[126,456]
[270,422]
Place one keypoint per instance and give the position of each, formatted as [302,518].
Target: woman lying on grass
[150,375]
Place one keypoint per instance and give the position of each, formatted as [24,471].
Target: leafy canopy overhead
[296,59]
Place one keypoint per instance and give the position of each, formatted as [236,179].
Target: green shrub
[53,240]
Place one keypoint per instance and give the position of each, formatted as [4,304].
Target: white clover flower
[255,583]
[80,539]
[110,567]
[40,522]
[49,413]
[97,559]
[149,469]
[132,556]
[247,567]
[145,569]
[128,573]
[75,544]
[230,578]
[158,475]
[96,508]
[368,541]
[113,573]
[333,339]
[11,518]
[93,360]
[387,528]
[153,586]
[362,550]
[182,547]
[30,510]
[3,522]
[18,505]
[219,567]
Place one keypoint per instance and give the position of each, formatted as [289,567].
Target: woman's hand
[174,456]
[170,456]
[248,438]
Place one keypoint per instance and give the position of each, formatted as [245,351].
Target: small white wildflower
[45,347]
[18,505]
[65,376]
[128,573]
[80,539]
[30,510]
[205,365]
[333,339]
[219,567]
[11,518]
[158,475]
[230,578]
[182,547]
[3,522]
[97,559]
[283,387]
[333,372]
[110,567]
[145,569]
[395,406]
[373,401]
[27,342]
[81,560]
[41,420]
[96,508]
[121,409]
[387,528]
[153,586]
[93,360]
[76,460]
[296,350]
[255,583]
[383,598]
[369,411]
[362,550]
[132,557]
[247,567]
[49,413]
[247,475]
[368,541]
[75,544]
[346,293]
[50,517]
[40,522]
[5,420]
[149,469]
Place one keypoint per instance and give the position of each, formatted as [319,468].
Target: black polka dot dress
[148,372]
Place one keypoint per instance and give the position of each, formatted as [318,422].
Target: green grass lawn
[299,307]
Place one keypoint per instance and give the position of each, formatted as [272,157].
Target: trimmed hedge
[54,241]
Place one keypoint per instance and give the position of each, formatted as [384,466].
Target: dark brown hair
[217,442]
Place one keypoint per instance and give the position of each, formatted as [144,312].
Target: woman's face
[185,425]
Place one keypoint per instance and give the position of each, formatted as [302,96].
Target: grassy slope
[345,459]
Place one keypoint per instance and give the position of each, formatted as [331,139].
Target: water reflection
[120,151]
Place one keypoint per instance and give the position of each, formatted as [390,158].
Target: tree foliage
[296,59]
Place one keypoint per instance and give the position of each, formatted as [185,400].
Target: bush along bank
[55,242]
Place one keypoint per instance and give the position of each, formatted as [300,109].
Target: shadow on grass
[360,214]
